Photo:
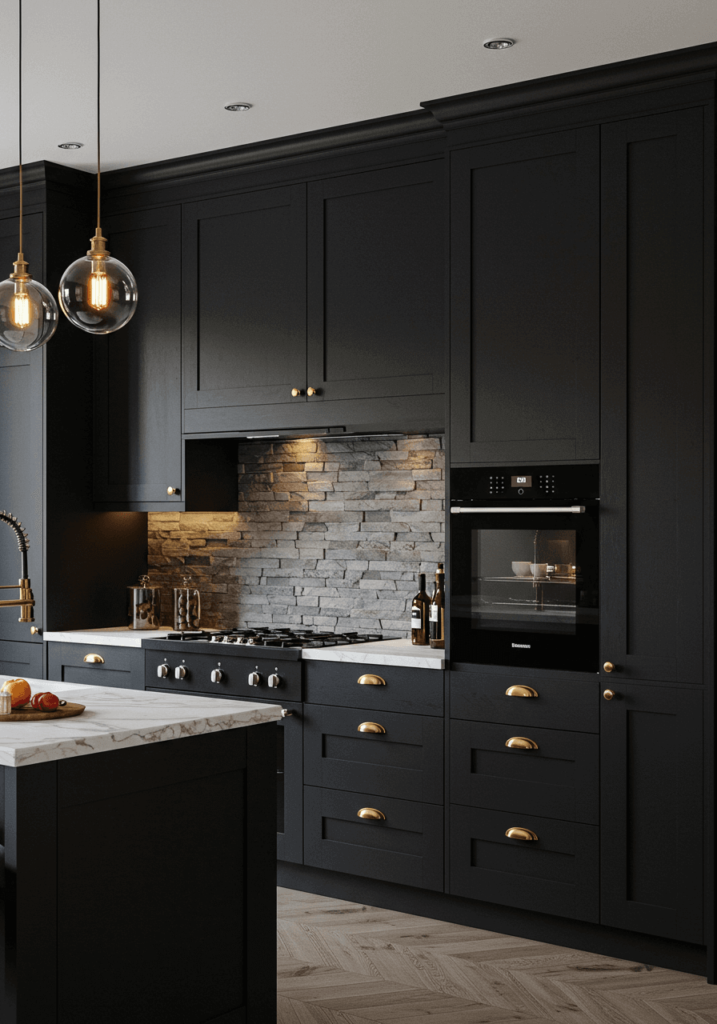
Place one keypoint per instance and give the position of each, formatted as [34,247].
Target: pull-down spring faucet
[26,601]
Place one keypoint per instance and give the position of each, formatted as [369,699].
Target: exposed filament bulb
[99,293]
[21,308]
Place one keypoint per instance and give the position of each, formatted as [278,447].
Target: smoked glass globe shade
[98,295]
[28,314]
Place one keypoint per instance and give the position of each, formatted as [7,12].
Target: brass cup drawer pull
[521,743]
[521,833]
[94,659]
[521,691]
[370,680]
[371,727]
[371,814]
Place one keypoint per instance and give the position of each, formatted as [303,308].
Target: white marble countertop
[382,652]
[116,718]
[111,636]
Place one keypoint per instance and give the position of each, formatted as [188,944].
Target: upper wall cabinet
[525,300]
[376,283]
[138,402]
[244,301]
[653,383]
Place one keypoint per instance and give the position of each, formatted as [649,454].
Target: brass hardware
[295,392]
[172,490]
[609,694]
[370,680]
[371,814]
[521,691]
[26,601]
[608,667]
[285,713]
[520,833]
[521,743]
[94,659]
[34,630]
[311,391]
[371,727]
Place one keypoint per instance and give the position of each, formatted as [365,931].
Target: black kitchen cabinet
[525,300]
[18,658]
[652,811]
[137,371]
[244,304]
[376,269]
[96,664]
[653,350]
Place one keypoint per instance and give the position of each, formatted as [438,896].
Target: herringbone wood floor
[344,963]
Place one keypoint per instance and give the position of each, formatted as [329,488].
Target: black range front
[524,567]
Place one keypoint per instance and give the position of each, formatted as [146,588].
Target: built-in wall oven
[524,567]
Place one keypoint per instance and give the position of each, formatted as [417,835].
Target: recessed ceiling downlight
[499,44]
[238,106]
[70,145]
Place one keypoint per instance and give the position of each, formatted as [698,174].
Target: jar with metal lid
[144,605]
[187,605]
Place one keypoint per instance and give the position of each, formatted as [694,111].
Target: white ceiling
[170,66]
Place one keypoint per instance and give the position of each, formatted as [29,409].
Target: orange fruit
[19,690]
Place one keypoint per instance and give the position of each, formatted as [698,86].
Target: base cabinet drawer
[21,659]
[495,766]
[96,665]
[557,873]
[557,703]
[405,846]
[387,754]
[413,691]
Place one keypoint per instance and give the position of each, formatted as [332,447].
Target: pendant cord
[19,145]
[99,232]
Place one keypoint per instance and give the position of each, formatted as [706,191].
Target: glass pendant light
[97,292]
[28,311]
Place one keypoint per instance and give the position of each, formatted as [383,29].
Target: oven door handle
[519,508]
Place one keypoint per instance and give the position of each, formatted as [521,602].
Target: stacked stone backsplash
[328,533]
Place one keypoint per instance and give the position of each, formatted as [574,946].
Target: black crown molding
[676,67]
[44,172]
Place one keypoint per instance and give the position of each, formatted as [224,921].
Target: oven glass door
[524,589]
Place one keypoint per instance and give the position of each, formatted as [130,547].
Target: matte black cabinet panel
[525,300]
[652,811]
[137,394]
[405,760]
[376,272]
[244,299]
[76,663]
[417,691]
[560,704]
[557,873]
[653,323]
[405,847]
[21,659]
[558,778]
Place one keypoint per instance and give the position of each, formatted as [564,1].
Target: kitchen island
[138,861]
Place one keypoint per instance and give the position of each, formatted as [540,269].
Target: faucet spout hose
[23,542]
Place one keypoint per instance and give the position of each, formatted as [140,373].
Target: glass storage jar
[187,605]
[144,605]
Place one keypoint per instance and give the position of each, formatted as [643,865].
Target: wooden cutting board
[69,710]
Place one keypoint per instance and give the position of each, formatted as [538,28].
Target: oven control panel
[521,484]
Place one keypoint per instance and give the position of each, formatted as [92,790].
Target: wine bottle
[436,631]
[419,614]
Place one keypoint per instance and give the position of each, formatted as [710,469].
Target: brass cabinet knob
[34,630]
[311,391]
[521,691]
[371,814]
[520,833]
[94,659]
[295,392]
[371,727]
[609,694]
[370,680]
[608,667]
[521,743]
[172,490]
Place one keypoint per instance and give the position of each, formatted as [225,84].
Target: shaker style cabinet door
[137,371]
[376,283]
[652,811]
[525,300]
[244,301]
[653,323]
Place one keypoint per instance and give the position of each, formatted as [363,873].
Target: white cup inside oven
[539,569]
[520,568]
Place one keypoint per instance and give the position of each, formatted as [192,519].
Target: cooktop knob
[180,672]
[254,679]
[162,671]
[217,675]
[274,679]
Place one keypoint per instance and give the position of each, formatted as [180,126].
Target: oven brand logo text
[521,645]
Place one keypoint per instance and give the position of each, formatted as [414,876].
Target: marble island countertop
[115,719]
